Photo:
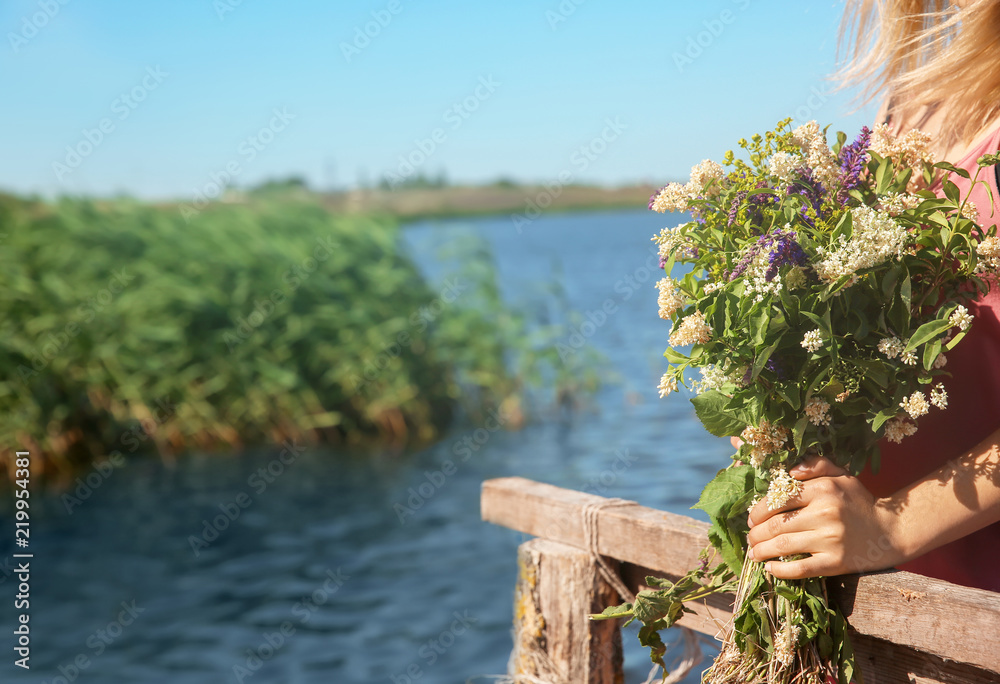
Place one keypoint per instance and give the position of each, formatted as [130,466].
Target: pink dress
[973,413]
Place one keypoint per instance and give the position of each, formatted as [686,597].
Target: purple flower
[808,188]
[853,158]
[777,367]
[782,249]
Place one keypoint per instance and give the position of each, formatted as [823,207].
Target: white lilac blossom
[896,203]
[970,211]
[909,358]
[812,340]
[703,174]
[784,164]
[989,255]
[673,240]
[712,378]
[781,488]
[891,347]
[898,428]
[670,298]
[876,237]
[677,196]
[939,397]
[910,149]
[811,138]
[764,440]
[960,318]
[691,330]
[818,411]
[668,384]
[916,405]
[671,197]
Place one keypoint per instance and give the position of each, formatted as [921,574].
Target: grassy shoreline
[455,201]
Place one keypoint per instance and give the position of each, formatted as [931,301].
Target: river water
[343,568]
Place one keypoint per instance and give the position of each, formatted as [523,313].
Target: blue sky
[188,88]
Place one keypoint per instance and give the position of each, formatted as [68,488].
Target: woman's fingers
[811,489]
[784,545]
[813,566]
[736,442]
[816,466]
[799,520]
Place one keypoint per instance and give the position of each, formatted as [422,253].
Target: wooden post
[558,586]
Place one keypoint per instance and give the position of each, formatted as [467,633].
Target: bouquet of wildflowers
[815,293]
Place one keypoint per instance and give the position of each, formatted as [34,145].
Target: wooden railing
[906,628]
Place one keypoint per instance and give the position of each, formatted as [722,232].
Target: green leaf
[712,411]
[883,176]
[762,358]
[952,168]
[614,612]
[952,192]
[651,606]
[674,356]
[931,352]
[726,490]
[926,332]
[955,340]
[881,417]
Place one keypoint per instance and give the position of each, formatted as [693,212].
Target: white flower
[899,427]
[784,164]
[812,340]
[673,197]
[939,397]
[691,330]
[875,238]
[940,362]
[961,318]
[668,384]
[915,404]
[909,149]
[781,488]
[709,288]
[970,211]
[670,298]
[891,347]
[896,203]
[785,642]
[673,240]
[818,410]
[989,255]
[704,173]
[818,156]
[909,358]
[712,377]
[764,440]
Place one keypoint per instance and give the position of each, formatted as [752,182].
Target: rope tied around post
[691,655]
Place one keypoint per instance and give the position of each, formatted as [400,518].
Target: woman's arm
[846,529]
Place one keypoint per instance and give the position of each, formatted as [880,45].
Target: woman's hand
[835,519]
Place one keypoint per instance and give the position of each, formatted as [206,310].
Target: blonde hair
[924,53]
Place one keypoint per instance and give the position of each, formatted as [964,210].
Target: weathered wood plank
[942,619]
[558,586]
[880,662]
